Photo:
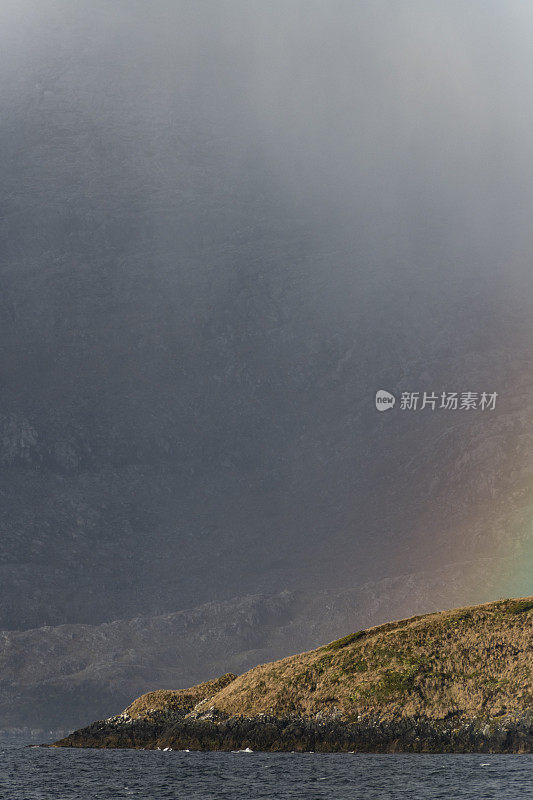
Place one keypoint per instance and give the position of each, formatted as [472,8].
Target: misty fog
[225,225]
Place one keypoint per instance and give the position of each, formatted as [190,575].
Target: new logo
[384,400]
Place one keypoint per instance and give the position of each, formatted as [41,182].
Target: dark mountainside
[456,681]
[198,301]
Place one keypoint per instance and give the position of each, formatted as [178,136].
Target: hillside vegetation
[476,660]
[454,681]
[171,700]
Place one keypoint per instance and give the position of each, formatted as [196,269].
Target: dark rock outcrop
[319,734]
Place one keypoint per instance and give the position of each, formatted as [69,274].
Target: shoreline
[300,734]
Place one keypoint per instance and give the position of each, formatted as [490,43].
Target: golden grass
[473,661]
[176,699]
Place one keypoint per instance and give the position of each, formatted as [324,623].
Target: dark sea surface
[64,774]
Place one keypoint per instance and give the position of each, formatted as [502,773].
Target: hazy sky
[408,124]
[224,225]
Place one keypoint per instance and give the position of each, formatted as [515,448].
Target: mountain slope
[458,680]
[63,676]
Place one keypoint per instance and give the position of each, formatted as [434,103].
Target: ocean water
[62,774]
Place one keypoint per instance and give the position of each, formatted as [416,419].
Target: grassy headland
[456,680]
